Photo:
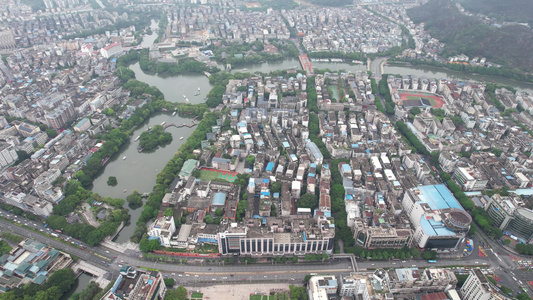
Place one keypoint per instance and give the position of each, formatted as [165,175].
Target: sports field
[334,91]
[435,100]
[210,174]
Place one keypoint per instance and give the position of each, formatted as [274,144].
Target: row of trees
[524,249]
[385,93]
[411,138]
[342,55]
[386,254]
[311,95]
[314,132]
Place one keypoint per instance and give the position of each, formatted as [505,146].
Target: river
[292,63]
[420,71]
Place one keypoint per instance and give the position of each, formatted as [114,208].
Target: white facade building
[163,229]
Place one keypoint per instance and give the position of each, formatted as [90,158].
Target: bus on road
[432,261]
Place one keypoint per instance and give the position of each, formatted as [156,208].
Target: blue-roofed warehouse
[439,220]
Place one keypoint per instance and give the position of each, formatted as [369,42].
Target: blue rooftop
[438,197]
[219,199]
[270,166]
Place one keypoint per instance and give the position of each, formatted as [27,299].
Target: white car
[173,273]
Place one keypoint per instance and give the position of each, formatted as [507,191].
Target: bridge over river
[306,64]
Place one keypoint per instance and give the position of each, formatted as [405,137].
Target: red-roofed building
[111,50]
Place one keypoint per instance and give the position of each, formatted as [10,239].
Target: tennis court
[436,101]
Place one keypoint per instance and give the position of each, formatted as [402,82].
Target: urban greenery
[180,293]
[58,284]
[112,181]
[88,293]
[154,138]
[12,237]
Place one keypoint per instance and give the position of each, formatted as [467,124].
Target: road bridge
[306,64]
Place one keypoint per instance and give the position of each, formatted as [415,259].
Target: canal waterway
[81,283]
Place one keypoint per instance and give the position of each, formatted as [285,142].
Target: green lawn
[335,91]
[197,296]
[208,175]
[255,297]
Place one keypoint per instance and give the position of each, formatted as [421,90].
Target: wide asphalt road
[241,272]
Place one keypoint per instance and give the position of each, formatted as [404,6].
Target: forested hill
[503,11]
[330,2]
[510,46]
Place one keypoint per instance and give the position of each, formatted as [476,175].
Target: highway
[199,274]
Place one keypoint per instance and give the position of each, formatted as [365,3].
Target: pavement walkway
[237,291]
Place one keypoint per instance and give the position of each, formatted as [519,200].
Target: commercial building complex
[439,221]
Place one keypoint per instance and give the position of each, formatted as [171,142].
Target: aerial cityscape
[266,149]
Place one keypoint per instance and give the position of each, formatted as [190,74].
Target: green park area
[261,297]
[211,175]
[334,92]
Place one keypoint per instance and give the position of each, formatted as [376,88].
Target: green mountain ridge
[510,46]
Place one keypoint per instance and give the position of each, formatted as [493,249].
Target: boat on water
[137,138]
[124,158]
[187,99]
[184,96]
[163,123]
[197,93]
[140,149]
[181,138]
[125,190]
[198,88]
[174,113]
